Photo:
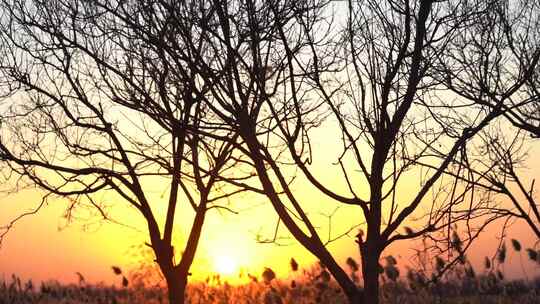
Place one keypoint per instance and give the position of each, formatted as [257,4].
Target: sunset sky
[42,247]
[269,151]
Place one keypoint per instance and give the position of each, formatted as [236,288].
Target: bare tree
[495,65]
[95,102]
[380,83]
[259,77]
[497,167]
[254,78]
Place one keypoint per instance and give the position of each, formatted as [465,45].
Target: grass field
[308,286]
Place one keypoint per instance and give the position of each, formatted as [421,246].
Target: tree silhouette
[496,167]
[108,95]
[494,63]
[381,75]
[496,66]
[95,102]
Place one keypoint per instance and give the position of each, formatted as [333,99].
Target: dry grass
[309,286]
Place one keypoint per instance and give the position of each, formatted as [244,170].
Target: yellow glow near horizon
[228,243]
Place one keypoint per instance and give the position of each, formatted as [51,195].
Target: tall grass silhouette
[305,284]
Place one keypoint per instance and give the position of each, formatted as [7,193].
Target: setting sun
[225,265]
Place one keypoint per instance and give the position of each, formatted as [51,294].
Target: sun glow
[225,265]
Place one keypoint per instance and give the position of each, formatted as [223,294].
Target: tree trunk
[176,287]
[370,272]
[356,298]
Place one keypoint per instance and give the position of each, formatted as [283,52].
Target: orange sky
[37,249]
